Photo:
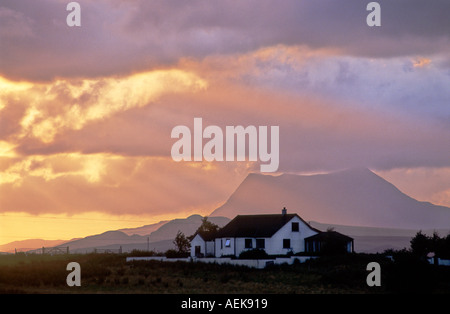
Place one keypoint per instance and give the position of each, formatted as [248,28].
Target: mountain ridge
[354,196]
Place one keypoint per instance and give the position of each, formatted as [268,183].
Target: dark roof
[326,235]
[255,226]
[206,236]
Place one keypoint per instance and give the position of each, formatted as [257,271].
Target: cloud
[70,105]
[363,112]
[87,129]
[79,183]
[120,37]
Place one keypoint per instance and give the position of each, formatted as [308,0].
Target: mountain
[29,244]
[354,197]
[144,230]
[188,226]
[106,238]
[159,240]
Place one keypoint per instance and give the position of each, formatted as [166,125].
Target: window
[227,243]
[248,243]
[286,243]
[295,227]
[260,243]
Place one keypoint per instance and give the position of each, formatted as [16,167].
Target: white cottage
[277,234]
[202,245]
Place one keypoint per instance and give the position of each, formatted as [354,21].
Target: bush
[176,254]
[254,254]
[144,253]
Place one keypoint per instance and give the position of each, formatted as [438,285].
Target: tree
[182,243]
[207,226]
[444,248]
[420,244]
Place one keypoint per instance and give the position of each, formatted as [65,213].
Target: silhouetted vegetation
[176,254]
[181,243]
[254,254]
[422,244]
[207,229]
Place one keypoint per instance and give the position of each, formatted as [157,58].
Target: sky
[86,112]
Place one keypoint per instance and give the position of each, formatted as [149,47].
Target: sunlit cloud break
[70,104]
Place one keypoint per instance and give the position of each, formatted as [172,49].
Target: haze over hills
[373,240]
[144,230]
[188,226]
[354,197]
[29,244]
[159,240]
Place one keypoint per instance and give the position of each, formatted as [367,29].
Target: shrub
[176,254]
[144,253]
[254,254]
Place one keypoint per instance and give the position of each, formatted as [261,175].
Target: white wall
[275,244]
[206,248]
[210,248]
[444,262]
[197,241]
[222,249]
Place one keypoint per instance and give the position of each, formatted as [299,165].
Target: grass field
[110,273]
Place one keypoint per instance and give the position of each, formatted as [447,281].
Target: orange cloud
[421,62]
[71,104]
[76,183]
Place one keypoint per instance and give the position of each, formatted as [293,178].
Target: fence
[50,250]
[57,250]
[117,251]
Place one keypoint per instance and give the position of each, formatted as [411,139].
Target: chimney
[284,211]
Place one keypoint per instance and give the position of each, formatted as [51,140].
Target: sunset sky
[86,112]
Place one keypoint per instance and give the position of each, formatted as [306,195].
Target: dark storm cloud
[118,37]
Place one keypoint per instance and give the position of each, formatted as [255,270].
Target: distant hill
[355,197]
[373,240]
[30,244]
[144,230]
[159,237]
[188,226]
[106,238]
[159,240]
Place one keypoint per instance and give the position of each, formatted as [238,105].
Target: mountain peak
[356,170]
[355,196]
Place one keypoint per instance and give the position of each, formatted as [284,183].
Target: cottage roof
[206,236]
[256,226]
